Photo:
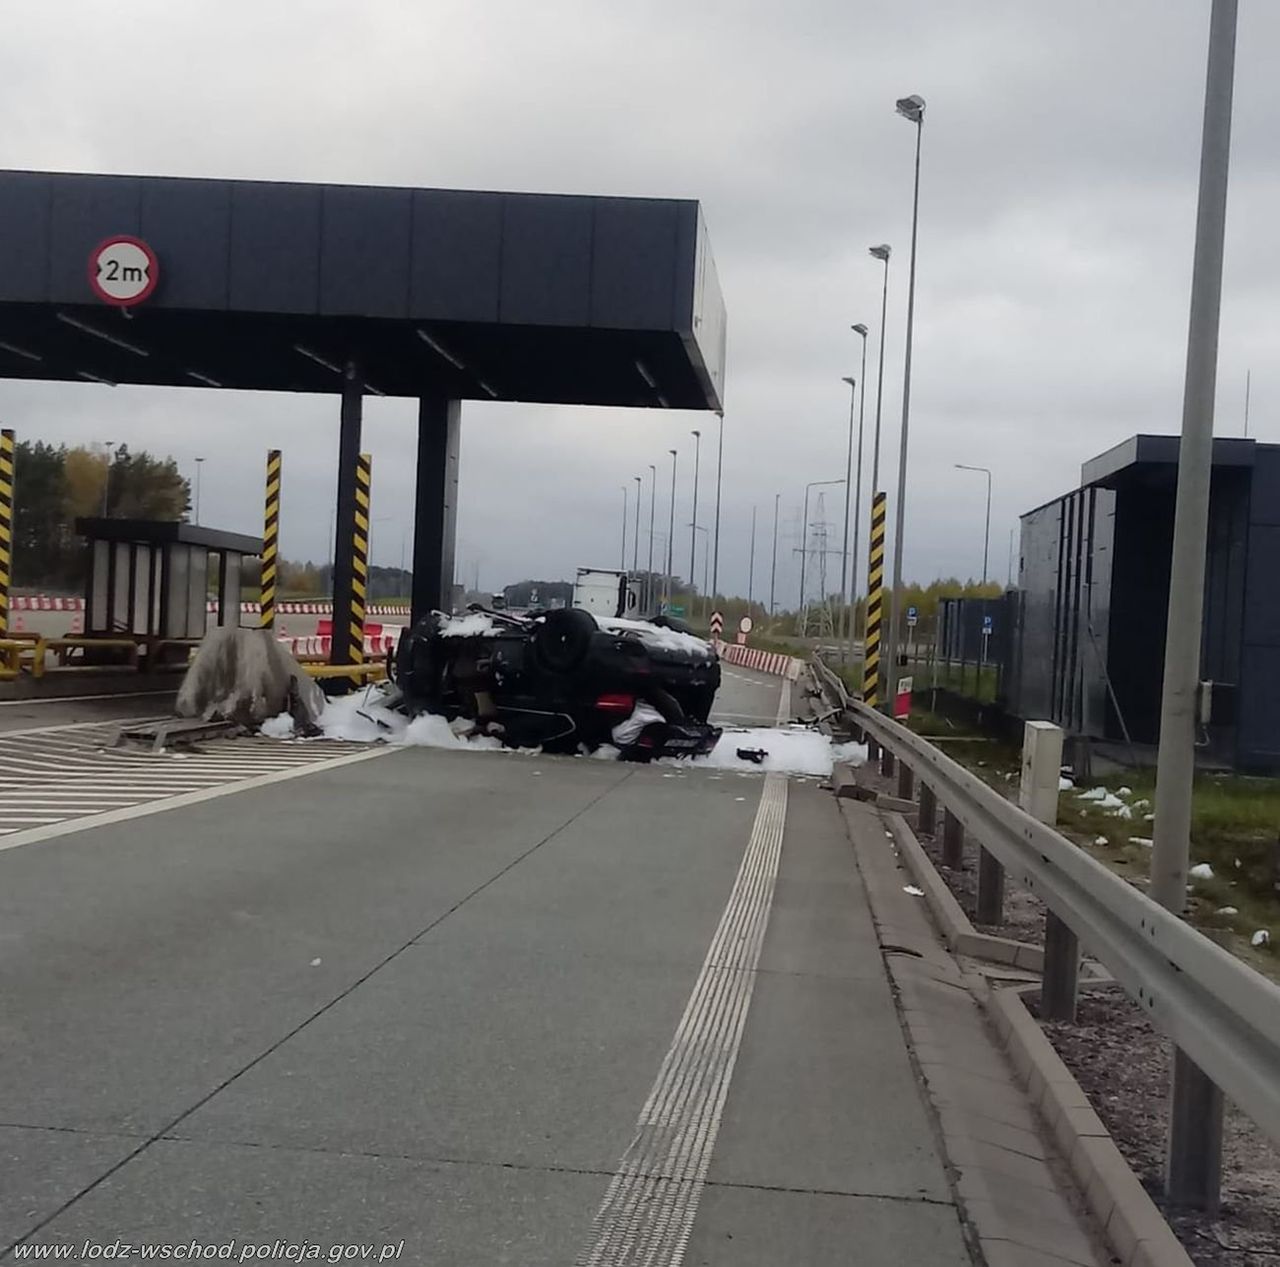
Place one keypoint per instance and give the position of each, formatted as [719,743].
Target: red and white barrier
[762,661]
[44,603]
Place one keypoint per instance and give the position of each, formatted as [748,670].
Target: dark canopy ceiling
[562,299]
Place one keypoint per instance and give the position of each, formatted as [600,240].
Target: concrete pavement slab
[147,962]
[447,1216]
[746,1227]
[41,1170]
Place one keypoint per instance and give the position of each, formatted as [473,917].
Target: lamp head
[911,108]
[695,432]
[881,252]
[859,329]
[848,380]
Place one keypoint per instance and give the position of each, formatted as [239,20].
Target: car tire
[562,640]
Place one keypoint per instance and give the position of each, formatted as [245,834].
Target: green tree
[143,487]
[43,550]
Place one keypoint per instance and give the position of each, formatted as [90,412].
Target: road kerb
[1135,1229]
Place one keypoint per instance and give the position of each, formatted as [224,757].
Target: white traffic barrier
[762,661]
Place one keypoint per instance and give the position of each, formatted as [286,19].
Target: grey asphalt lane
[746,698]
[425,997]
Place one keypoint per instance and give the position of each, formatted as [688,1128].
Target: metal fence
[1221,1013]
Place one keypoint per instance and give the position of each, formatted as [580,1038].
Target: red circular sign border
[152,259]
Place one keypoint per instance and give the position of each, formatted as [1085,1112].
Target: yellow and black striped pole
[6,526]
[359,560]
[875,596]
[271,540]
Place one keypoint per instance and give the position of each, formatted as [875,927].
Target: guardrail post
[906,782]
[927,818]
[873,750]
[952,841]
[1061,970]
[990,905]
[1193,1163]
[887,763]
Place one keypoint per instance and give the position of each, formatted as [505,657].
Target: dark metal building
[443,295]
[1088,647]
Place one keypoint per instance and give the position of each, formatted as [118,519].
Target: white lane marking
[38,834]
[649,1209]
[78,725]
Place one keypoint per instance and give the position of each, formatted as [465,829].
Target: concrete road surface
[486,1008]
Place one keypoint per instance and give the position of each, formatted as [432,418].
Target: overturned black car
[563,680]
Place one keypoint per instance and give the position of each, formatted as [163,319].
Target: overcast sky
[1058,204]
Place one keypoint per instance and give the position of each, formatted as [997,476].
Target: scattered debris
[911,888]
[1261,938]
[1201,871]
[1227,910]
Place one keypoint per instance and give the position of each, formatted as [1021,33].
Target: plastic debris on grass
[1101,840]
[1107,801]
[1227,910]
[1201,871]
[1064,784]
[1261,938]
[911,888]
[1145,841]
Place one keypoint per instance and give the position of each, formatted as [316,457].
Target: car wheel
[561,641]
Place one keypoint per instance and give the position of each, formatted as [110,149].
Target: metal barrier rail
[1220,1012]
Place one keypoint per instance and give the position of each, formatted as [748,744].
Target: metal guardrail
[1218,1010]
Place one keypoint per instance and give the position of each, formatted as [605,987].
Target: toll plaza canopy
[440,294]
[563,299]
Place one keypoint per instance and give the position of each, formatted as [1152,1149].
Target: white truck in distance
[607,592]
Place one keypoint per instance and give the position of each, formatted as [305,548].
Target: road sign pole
[1195,1119]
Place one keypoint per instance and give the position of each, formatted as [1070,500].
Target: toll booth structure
[148,581]
[438,295]
[1093,596]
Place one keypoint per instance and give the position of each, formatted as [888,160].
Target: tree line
[54,485]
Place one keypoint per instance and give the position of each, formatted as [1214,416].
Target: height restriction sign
[123,271]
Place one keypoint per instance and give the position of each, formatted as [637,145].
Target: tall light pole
[199,465]
[653,493]
[861,330]
[693,535]
[671,527]
[715,562]
[912,109]
[844,536]
[881,252]
[1193,1168]
[107,459]
[986,536]
[635,545]
[706,564]
[804,532]
[622,567]
[751,564]
[773,566]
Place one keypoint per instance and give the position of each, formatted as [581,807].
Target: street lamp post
[108,458]
[844,537]
[882,253]
[804,534]
[861,330]
[773,566]
[622,567]
[653,493]
[912,109]
[693,535]
[1193,1160]
[706,564]
[635,545]
[715,561]
[751,564]
[986,536]
[671,527]
[199,465]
